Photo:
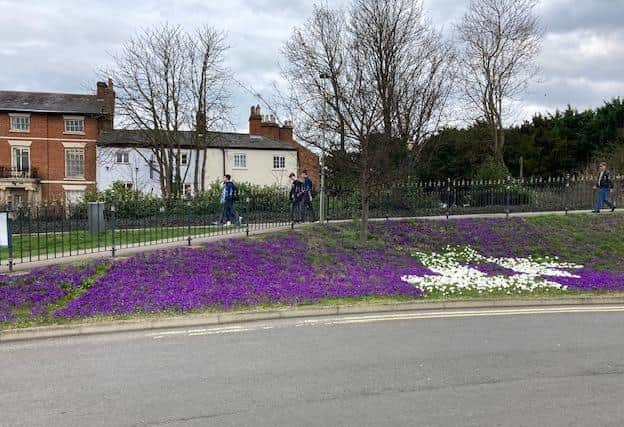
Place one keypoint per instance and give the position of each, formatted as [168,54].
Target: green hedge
[135,204]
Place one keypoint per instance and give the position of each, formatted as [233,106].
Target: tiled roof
[40,102]
[125,138]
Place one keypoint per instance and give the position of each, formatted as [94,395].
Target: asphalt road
[518,370]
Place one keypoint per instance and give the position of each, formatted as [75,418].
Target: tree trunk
[203,170]
[196,172]
[365,206]
[501,144]
[364,190]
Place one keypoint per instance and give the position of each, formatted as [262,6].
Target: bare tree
[208,85]
[169,81]
[386,73]
[500,40]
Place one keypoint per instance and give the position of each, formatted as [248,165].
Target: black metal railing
[461,197]
[52,231]
[25,172]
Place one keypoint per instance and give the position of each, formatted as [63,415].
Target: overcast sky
[55,45]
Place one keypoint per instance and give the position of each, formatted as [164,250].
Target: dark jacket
[297,191]
[604,181]
[308,187]
[229,191]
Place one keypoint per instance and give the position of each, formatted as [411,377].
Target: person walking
[296,195]
[308,188]
[604,185]
[229,195]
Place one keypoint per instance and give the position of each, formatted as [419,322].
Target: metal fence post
[566,194]
[113,225]
[189,220]
[247,201]
[448,198]
[507,197]
[10,241]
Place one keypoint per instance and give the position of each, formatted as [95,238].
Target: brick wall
[47,152]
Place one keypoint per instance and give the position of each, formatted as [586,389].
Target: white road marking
[206,331]
[197,334]
[469,313]
[357,319]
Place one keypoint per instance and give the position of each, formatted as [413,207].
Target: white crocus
[453,276]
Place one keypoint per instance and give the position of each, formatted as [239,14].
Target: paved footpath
[513,369]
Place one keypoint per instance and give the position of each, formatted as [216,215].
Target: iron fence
[460,197]
[52,231]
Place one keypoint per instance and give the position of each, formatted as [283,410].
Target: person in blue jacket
[604,185]
[308,187]
[229,194]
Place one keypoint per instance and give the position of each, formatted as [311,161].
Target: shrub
[133,204]
[492,169]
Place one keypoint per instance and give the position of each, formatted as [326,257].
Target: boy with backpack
[297,194]
[308,188]
[229,195]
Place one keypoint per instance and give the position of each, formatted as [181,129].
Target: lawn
[406,260]
[51,244]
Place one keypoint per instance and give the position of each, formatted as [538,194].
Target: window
[122,157]
[20,123]
[152,167]
[279,162]
[187,189]
[240,161]
[127,185]
[21,160]
[74,163]
[73,197]
[184,159]
[74,125]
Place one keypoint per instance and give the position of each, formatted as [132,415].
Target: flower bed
[411,259]
[463,271]
[30,295]
[239,273]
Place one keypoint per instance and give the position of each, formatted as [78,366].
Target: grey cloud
[568,15]
[60,47]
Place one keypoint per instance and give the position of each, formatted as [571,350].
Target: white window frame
[281,162]
[184,159]
[189,187]
[76,151]
[14,166]
[18,116]
[128,185]
[241,165]
[71,119]
[125,157]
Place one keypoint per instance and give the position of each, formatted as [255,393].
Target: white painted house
[124,155]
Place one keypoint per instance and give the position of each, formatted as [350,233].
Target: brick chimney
[270,127]
[286,132]
[255,121]
[106,93]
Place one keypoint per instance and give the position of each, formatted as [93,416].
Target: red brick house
[48,143]
[267,126]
